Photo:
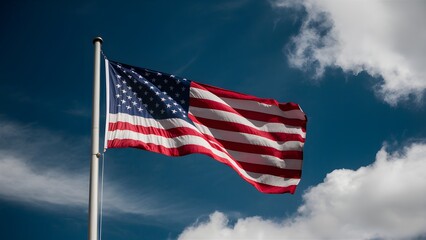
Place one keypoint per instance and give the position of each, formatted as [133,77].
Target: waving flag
[261,139]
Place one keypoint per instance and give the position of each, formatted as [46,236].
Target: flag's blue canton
[147,93]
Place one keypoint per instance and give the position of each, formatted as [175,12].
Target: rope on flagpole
[101,197]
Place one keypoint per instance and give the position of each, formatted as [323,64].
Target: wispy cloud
[382,38]
[42,169]
[384,200]
[180,70]
[19,181]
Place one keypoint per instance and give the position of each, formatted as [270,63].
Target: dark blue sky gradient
[46,82]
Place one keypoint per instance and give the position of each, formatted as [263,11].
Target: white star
[152,87]
[184,79]
[128,107]
[118,65]
[118,85]
[172,76]
[124,91]
[123,101]
[140,99]
[171,87]
[177,94]
[163,99]
[134,103]
[174,111]
[118,76]
[157,93]
[151,111]
[145,105]
[159,74]
[183,89]
[151,98]
[140,76]
[175,103]
[162,111]
[146,82]
[156,105]
[140,87]
[159,86]
[129,97]
[129,76]
[145,93]
[118,95]
[182,101]
[168,105]
[139,109]
[130,88]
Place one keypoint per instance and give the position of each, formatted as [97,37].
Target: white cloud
[384,38]
[39,168]
[385,200]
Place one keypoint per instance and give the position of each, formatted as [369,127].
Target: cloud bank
[383,38]
[385,200]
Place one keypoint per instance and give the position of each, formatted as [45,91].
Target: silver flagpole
[94,167]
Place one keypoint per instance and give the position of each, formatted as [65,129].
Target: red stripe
[271,170]
[249,148]
[238,127]
[273,189]
[189,149]
[264,117]
[220,92]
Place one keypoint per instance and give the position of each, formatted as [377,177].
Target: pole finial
[97,39]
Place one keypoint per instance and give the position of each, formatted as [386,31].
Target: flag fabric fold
[261,139]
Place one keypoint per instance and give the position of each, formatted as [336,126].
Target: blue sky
[356,68]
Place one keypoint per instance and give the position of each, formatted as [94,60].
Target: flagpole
[94,166]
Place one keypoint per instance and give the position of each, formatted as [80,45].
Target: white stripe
[235,118]
[293,164]
[250,139]
[150,122]
[247,104]
[273,180]
[183,140]
[264,108]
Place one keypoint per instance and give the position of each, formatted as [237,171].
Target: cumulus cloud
[39,168]
[384,200]
[383,38]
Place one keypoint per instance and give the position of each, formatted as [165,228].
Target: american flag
[261,139]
